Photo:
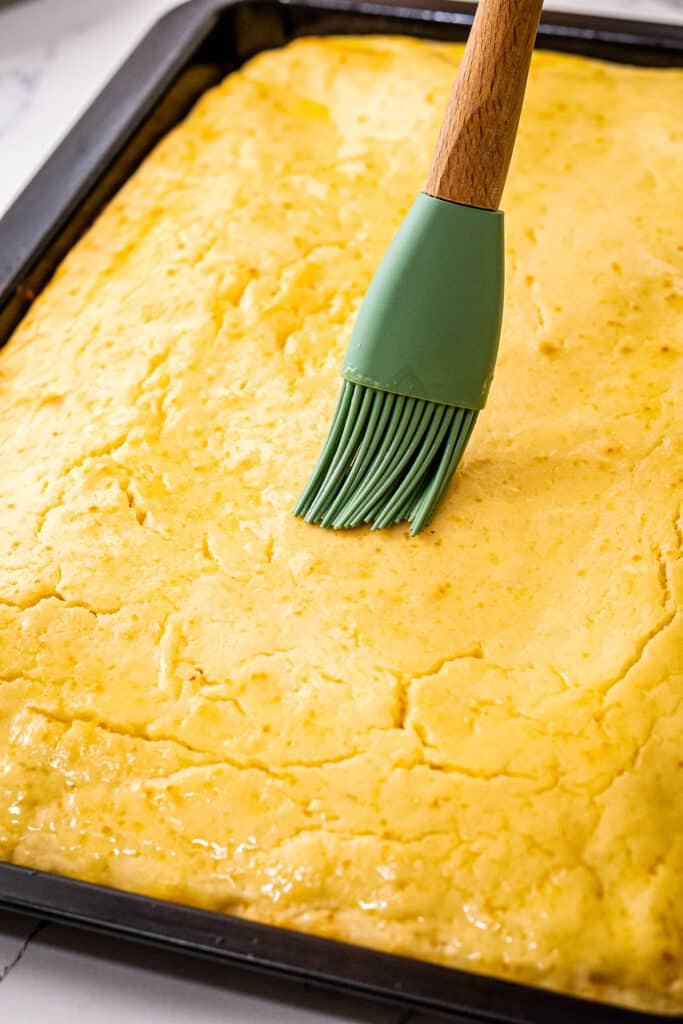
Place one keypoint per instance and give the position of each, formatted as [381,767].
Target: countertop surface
[55,55]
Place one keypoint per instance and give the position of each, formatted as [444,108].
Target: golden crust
[464,746]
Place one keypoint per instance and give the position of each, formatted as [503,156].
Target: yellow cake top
[464,746]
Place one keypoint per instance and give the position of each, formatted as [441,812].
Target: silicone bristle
[386,459]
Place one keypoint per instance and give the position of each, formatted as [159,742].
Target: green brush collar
[430,322]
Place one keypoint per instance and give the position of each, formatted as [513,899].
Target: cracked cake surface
[465,746]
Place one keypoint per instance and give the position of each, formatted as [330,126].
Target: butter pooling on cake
[465,746]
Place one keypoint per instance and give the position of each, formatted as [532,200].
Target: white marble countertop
[55,55]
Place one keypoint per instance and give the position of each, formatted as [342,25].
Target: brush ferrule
[430,322]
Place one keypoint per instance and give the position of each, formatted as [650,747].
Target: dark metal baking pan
[188,50]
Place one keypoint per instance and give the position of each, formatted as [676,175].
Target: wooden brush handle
[478,132]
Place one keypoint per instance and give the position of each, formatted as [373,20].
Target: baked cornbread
[465,746]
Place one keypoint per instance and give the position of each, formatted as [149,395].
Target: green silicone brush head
[416,373]
[387,458]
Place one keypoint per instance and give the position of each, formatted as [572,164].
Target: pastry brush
[422,352]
